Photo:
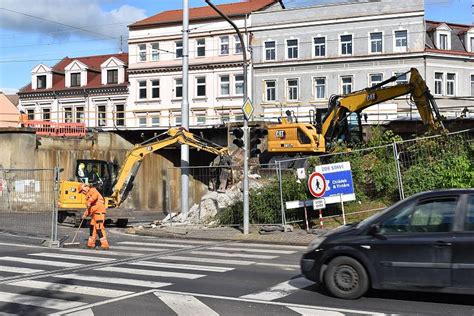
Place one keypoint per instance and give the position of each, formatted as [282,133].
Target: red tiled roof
[93,74]
[449,52]
[203,13]
[434,24]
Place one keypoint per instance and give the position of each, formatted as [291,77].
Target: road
[156,276]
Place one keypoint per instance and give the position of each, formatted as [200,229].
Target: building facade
[303,56]
[216,79]
[92,90]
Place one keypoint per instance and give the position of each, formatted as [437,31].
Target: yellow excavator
[289,138]
[115,186]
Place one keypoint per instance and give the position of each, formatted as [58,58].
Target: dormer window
[76,79]
[112,76]
[41,82]
[443,41]
[443,37]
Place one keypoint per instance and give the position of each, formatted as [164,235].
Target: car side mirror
[374,230]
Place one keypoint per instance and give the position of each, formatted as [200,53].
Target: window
[469,222]
[79,114]
[292,86]
[177,119]
[430,216]
[225,117]
[438,83]
[120,115]
[401,78]
[450,84]
[320,88]
[142,121]
[224,45]
[200,47]
[346,44]
[201,119]
[319,46]
[41,82]
[443,41]
[238,45]
[346,84]
[270,50]
[112,76]
[401,40]
[76,79]
[46,114]
[101,115]
[178,47]
[375,79]
[472,44]
[155,89]
[292,48]
[201,86]
[178,87]
[31,114]
[142,52]
[225,85]
[155,51]
[376,42]
[239,84]
[155,121]
[270,90]
[472,85]
[142,90]
[68,115]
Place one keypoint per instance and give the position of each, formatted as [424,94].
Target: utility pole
[246,125]
[185,113]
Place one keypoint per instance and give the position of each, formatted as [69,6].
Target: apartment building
[92,90]
[303,56]
[215,66]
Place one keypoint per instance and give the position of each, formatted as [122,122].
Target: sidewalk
[296,237]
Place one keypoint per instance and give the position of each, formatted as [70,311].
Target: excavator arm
[340,107]
[134,158]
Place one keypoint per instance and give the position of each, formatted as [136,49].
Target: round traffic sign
[317,184]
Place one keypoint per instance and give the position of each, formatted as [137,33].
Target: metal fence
[28,203]
[385,174]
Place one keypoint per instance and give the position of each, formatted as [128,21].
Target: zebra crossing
[58,280]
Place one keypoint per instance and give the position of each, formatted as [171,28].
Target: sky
[45,31]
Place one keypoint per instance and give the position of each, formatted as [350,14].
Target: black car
[425,242]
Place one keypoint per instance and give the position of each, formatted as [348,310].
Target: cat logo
[372,97]
[280,134]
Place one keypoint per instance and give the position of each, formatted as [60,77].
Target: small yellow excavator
[289,138]
[115,187]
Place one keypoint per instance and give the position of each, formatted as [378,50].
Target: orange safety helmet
[81,187]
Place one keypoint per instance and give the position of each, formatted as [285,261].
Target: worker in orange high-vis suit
[96,209]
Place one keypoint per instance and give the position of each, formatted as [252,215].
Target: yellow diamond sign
[247,109]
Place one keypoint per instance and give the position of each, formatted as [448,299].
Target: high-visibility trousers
[97,227]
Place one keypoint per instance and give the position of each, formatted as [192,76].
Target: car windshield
[373,218]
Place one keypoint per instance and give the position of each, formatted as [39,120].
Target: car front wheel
[346,278]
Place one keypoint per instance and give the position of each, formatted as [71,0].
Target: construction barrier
[46,128]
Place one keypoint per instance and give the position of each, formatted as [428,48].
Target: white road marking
[186,305]
[237,255]
[103,253]
[84,312]
[182,266]
[191,242]
[139,248]
[152,244]
[68,288]
[272,251]
[208,260]
[314,312]
[278,265]
[280,290]
[290,247]
[17,245]
[158,273]
[69,256]
[38,301]
[121,281]
[41,262]
[19,270]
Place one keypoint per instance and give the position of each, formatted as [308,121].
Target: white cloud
[79,13]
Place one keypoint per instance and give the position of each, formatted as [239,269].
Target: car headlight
[313,245]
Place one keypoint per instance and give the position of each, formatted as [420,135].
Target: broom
[72,243]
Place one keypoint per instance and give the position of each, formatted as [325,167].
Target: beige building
[9,113]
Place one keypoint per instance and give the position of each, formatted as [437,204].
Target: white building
[215,66]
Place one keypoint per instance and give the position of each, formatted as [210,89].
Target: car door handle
[441,244]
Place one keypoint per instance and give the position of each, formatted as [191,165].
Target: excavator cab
[98,173]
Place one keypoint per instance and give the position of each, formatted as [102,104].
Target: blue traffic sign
[338,181]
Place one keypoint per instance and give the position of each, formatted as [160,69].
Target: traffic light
[256,135]
[238,134]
